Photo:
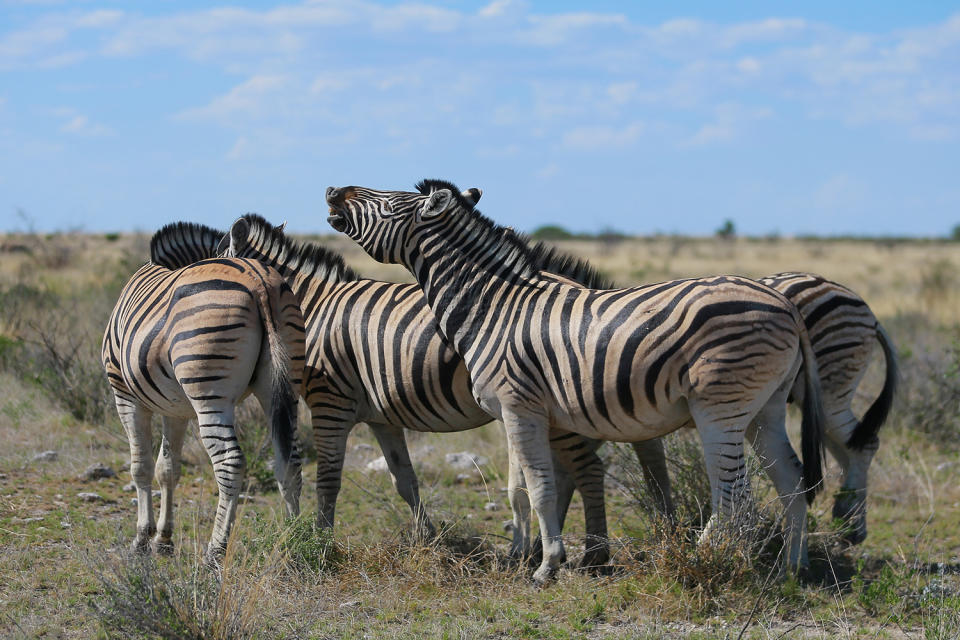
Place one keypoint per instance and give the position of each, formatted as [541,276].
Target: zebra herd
[494,327]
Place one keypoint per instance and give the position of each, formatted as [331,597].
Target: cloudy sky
[789,117]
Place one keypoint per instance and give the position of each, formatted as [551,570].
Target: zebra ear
[438,204]
[238,236]
[472,195]
[280,228]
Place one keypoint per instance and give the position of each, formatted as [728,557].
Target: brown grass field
[65,571]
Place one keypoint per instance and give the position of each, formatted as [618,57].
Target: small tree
[551,232]
[727,230]
[955,234]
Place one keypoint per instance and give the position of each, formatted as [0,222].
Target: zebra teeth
[337,222]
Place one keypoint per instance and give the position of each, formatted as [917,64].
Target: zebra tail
[811,429]
[866,429]
[283,397]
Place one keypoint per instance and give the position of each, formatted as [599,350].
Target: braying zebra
[193,342]
[374,355]
[843,331]
[624,364]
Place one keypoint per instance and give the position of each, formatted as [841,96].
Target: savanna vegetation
[66,524]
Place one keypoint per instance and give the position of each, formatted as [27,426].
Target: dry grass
[67,574]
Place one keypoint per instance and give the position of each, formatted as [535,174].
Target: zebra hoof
[594,559]
[163,546]
[544,576]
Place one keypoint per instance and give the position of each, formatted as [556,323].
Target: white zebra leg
[219,437]
[136,422]
[394,446]
[653,463]
[168,475]
[519,496]
[768,436]
[529,437]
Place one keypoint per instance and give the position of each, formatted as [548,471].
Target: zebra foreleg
[229,468]
[330,441]
[136,422]
[577,457]
[528,436]
[394,446]
[168,475]
[653,463]
[767,434]
[519,496]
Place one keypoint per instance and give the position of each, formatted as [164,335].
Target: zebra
[374,355]
[192,342]
[623,364]
[843,331]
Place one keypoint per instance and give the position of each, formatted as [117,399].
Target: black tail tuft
[283,421]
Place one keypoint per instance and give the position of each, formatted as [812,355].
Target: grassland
[65,572]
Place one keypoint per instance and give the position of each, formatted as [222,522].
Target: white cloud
[840,192]
[728,122]
[602,137]
[251,98]
[81,125]
[559,28]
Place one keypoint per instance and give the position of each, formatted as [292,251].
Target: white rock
[463,477]
[465,460]
[380,464]
[46,456]
[364,448]
[88,496]
[491,506]
[129,487]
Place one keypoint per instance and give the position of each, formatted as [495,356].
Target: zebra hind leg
[723,452]
[219,438]
[136,422]
[168,474]
[394,446]
[576,455]
[768,436]
[330,431]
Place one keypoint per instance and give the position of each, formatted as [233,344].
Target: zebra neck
[464,269]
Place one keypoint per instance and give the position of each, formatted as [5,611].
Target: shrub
[551,232]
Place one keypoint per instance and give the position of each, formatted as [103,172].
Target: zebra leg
[850,503]
[576,455]
[653,462]
[330,440]
[519,497]
[528,436]
[768,436]
[168,474]
[723,454]
[394,446]
[136,422]
[289,478]
[229,468]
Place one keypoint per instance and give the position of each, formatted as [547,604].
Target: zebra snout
[337,196]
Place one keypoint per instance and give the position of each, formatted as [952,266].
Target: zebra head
[384,222]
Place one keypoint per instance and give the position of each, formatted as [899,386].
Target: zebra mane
[180,244]
[553,261]
[309,258]
[518,248]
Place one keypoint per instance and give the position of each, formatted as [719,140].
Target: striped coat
[374,355]
[631,364]
[192,342]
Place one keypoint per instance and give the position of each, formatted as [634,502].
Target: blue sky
[789,117]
